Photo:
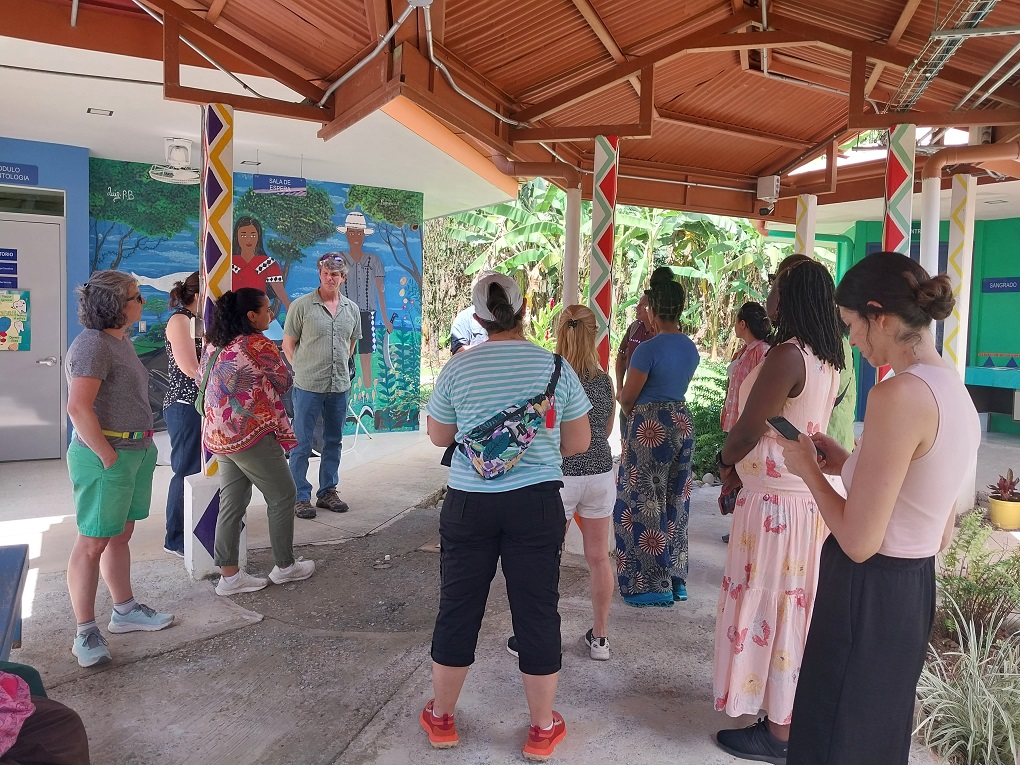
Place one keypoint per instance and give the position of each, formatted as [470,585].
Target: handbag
[498,444]
[200,398]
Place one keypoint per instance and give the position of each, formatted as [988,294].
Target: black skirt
[865,650]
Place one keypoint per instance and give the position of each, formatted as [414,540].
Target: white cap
[480,294]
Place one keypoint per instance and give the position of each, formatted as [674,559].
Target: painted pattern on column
[961,242]
[899,189]
[603,211]
[804,238]
[217,225]
[899,194]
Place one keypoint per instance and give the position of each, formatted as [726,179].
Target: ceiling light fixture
[250,162]
[99,112]
[996,201]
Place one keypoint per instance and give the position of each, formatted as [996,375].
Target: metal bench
[13,572]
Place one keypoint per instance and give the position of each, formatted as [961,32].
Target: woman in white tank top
[876,592]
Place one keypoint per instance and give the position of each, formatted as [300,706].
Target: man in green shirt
[320,334]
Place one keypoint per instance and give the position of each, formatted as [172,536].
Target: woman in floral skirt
[654,481]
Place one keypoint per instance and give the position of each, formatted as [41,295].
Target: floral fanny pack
[498,444]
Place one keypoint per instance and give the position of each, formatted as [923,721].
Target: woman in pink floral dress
[771,568]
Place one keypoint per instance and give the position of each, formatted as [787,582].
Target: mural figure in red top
[250,266]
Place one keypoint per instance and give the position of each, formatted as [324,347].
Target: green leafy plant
[975,580]
[542,328]
[705,397]
[1005,488]
[970,698]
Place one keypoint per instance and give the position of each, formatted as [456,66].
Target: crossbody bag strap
[208,369]
[557,365]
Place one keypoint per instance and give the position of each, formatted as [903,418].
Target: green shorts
[105,500]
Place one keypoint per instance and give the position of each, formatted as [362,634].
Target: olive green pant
[265,466]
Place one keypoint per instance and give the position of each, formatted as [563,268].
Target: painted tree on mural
[394,212]
[130,212]
[296,222]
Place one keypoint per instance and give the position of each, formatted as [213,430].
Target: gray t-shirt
[360,284]
[122,403]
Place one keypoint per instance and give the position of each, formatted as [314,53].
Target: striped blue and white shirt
[483,380]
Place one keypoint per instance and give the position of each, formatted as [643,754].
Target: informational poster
[15,328]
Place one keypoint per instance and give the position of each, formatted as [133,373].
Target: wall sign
[1001,284]
[8,282]
[25,175]
[15,328]
[279,184]
[7,254]
[8,267]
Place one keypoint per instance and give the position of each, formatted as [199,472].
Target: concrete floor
[336,669]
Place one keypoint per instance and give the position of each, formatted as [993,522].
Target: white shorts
[590,496]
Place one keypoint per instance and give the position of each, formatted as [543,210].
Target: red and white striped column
[899,196]
[603,212]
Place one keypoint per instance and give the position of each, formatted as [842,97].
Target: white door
[32,418]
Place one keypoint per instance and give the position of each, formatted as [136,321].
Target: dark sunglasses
[330,256]
[137,298]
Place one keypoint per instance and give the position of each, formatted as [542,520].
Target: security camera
[767,210]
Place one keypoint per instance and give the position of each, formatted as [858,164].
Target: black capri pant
[524,529]
[865,650]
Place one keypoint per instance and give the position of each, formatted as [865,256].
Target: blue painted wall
[65,168]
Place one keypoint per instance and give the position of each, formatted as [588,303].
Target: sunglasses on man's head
[334,258]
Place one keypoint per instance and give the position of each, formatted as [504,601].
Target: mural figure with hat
[367,276]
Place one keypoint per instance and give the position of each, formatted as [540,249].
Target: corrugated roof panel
[518,45]
[323,35]
[630,22]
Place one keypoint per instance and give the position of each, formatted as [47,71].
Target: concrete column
[930,213]
[201,501]
[959,269]
[807,209]
[572,246]
[603,215]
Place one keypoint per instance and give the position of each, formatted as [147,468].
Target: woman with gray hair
[110,460]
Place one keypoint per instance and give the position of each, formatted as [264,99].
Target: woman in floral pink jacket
[243,376]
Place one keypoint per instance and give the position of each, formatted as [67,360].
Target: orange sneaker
[541,743]
[442,732]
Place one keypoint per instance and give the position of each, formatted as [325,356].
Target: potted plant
[1004,502]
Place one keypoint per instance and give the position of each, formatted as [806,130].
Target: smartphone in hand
[787,430]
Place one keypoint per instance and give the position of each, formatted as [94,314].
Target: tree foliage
[129,211]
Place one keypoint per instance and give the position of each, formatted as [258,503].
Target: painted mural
[150,229]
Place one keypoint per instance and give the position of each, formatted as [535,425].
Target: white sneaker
[597,646]
[245,582]
[298,570]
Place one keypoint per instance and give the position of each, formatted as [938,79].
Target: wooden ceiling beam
[601,31]
[377,19]
[724,128]
[909,9]
[641,129]
[887,54]
[624,70]
[215,9]
[173,91]
[204,29]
